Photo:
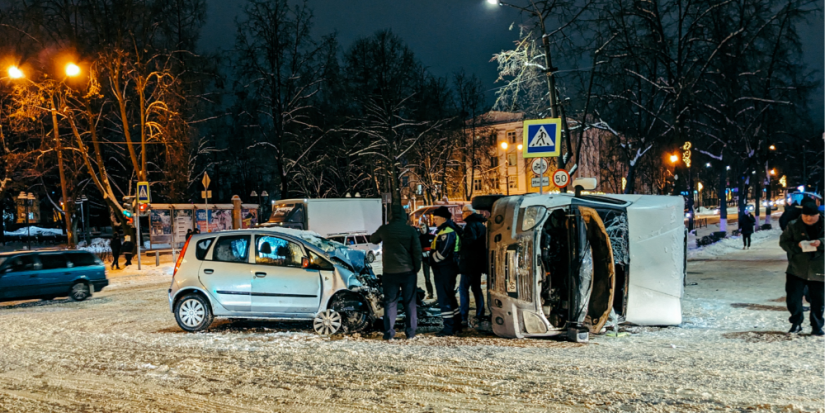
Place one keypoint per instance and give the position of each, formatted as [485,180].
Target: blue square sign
[541,138]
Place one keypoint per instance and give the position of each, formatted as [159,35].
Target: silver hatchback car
[273,273]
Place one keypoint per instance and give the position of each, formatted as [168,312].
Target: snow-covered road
[121,351]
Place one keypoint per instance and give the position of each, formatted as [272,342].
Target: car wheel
[193,313]
[327,322]
[79,291]
[370,257]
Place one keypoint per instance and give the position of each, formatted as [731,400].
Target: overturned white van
[559,263]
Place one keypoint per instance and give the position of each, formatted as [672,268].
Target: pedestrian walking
[426,240]
[188,233]
[401,257]
[746,223]
[472,262]
[444,262]
[803,241]
[115,246]
[127,248]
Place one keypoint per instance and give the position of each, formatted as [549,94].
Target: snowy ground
[121,351]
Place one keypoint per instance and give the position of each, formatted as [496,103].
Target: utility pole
[67,217]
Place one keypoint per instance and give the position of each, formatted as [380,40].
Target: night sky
[446,35]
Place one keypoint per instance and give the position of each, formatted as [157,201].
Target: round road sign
[561,178]
[539,166]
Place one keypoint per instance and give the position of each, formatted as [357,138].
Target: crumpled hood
[355,258]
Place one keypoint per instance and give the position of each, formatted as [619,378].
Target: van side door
[19,278]
[55,274]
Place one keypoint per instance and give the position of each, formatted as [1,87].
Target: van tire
[370,257]
[79,291]
[193,313]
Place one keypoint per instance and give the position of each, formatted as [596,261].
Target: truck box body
[328,215]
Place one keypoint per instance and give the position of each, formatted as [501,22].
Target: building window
[405,181]
[511,136]
[511,159]
[513,181]
[477,184]
[494,162]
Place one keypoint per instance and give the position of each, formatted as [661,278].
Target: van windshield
[287,213]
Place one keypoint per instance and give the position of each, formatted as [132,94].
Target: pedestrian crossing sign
[541,138]
[143,194]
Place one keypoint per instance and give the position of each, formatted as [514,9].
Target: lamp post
[27,200]
[71,70]
[264,195]
[504,147]
[81,200]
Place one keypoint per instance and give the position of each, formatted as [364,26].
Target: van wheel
[192,313]
[79,291]
[370,257]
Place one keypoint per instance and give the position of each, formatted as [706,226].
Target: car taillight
[180,257]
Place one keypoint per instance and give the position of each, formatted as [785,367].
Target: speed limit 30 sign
[561,178]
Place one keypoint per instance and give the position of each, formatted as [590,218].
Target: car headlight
[532,216]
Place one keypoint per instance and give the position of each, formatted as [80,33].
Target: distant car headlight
[687,215]
[532,216]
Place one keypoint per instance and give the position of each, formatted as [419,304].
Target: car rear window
[52,261]
[202,247]
[81,259]
[232,249]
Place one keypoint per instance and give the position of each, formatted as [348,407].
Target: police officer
[444,263]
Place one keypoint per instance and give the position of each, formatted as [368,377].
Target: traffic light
[143,208]
[128,209]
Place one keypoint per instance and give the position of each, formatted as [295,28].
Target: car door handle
[260,274]
[208,271]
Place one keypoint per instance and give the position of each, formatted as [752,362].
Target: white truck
[327,216]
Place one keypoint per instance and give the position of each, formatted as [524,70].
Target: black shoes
[819,333]
[795,329]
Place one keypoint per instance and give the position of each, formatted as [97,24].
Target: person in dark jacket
[803,241]
[746,224]
[188,233]
[401,257]
[791,213]
[426,239]
[472,262]
[127,248]
[444,262]
[115,245]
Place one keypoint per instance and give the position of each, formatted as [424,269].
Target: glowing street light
[707,165]
[773,171]
[674,158]
[493,2]
[772,147]
[504,145]
[519,146]
[15,72]
[72,70]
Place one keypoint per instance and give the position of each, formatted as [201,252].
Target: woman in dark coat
[115,245]
[127,248]
[746,224]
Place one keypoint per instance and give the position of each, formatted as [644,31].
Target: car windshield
[323,244]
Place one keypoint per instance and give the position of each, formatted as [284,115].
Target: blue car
[50,274]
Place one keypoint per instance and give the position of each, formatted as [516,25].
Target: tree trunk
[630,186]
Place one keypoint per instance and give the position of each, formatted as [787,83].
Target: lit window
[511,159]
[477,184]
[511,136]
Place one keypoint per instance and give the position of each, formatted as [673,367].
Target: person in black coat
[472,262]
[115,246]
[746,224]
[127,248]
[401,258]
[791,213]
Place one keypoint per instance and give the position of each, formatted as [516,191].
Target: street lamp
[504,145]
[263,194]
[520,146]
[81,200]
[72,70]
[27,199]
[15,72]
[674,158]
[772,147]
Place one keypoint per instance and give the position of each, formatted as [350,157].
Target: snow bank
[730,244]
[97,246]
[34,231]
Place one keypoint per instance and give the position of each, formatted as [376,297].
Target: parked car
[46,275]
[561,264]
[273,273]
[358,241]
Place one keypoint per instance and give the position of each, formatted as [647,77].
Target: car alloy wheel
[191,313]
[79,291]
[327,322]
